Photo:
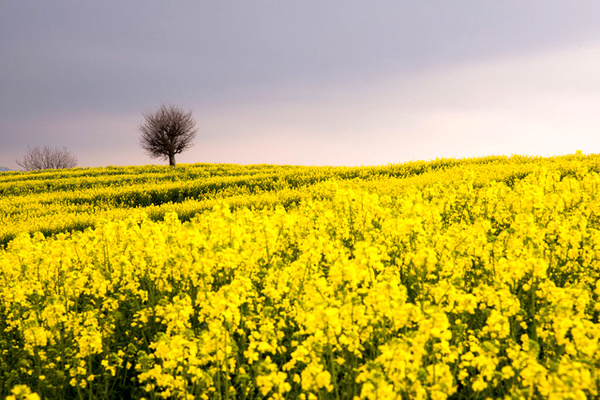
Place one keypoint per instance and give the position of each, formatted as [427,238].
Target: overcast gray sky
[302,82]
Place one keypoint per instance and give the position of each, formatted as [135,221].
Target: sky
[325,82]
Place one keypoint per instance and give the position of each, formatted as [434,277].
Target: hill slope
[56,201]
[460,279]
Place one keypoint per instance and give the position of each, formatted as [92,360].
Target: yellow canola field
[476,281]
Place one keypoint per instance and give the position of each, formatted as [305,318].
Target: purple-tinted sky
[302,82]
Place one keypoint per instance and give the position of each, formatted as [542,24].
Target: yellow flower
[22,392]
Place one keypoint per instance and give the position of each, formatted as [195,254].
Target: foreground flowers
[453,284]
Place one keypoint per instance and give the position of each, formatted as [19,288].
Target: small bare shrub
[47,158]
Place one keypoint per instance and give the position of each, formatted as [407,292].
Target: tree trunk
[172,160]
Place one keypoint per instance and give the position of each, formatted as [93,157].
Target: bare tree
[167,132]
[47,158]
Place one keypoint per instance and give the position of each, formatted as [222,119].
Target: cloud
[302,82]
[543,103]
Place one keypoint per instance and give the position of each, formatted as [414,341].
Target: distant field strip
[64,200]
